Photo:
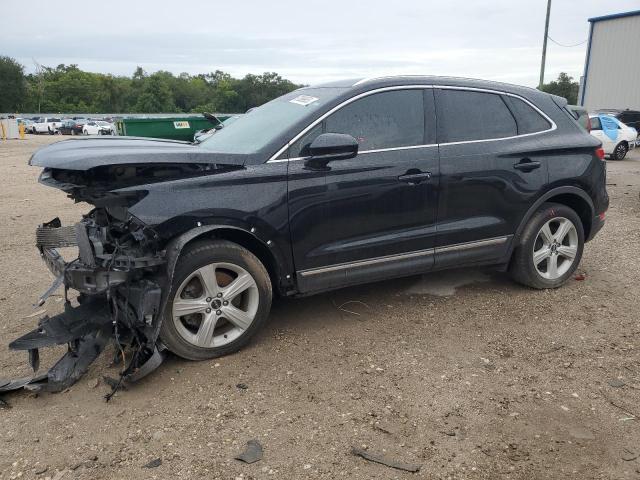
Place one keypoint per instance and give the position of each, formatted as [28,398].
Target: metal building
[612,66]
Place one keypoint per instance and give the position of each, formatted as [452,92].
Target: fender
[175,246]
[546,196]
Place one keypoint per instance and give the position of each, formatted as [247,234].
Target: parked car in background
[616,137]
[631,118]
[48,125]
[581,115]
[98,127]
[71,127]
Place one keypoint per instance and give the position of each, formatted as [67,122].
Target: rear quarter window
[527,118]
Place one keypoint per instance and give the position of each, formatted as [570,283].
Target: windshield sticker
[182,124]
[304,100]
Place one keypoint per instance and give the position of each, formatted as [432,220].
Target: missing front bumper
[120,301]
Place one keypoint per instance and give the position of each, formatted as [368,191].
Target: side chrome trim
[274,157]
[364,263]
[403,256]
[470,245]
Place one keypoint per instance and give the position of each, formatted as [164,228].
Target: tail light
[589,124]
[600,153]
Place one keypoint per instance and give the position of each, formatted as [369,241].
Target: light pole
[544,45]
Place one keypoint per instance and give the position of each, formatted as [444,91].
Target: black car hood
[86,153]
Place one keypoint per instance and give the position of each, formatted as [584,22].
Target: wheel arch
[242,237]
[573,197]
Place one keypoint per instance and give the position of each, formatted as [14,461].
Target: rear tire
[620,151]
[225,293]
[550,248]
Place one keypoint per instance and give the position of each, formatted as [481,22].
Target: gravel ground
[463,372]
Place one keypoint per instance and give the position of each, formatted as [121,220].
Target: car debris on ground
[252,452]
[156,462]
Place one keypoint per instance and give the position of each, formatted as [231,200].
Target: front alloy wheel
[220,296]
[215,305]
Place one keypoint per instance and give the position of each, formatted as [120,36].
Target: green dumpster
[173,128]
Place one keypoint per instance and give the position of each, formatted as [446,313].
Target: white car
[98,127]
[616,137]
[46,125]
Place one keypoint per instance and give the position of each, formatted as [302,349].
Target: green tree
[12,85]
[564,86]
[68,89]
[156,96]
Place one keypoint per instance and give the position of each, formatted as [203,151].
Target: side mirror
[331,146]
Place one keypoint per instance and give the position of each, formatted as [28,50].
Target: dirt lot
[487,380]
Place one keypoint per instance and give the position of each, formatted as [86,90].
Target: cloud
[308,41]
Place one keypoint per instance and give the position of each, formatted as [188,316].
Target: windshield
[256,129]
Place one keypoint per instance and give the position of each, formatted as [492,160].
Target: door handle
[414,178]
[527,165]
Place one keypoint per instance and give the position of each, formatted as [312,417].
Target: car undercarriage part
[119,274]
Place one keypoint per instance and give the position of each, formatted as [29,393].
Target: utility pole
[544,45]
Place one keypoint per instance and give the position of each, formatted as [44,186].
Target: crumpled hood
[86,153]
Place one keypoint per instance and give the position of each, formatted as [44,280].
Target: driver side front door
[370,217]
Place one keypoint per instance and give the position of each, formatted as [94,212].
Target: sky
[305,41]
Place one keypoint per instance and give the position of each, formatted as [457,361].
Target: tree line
[68,89]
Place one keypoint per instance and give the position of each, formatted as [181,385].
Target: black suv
[325,187]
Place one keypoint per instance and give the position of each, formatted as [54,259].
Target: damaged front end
[119,274]
[122,263]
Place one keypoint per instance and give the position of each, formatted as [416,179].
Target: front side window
[527,118]
[468,115]
[382,120]
[300,148]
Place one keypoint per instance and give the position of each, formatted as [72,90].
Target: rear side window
[467,116]
[528,120]
[382,120]
[595,123]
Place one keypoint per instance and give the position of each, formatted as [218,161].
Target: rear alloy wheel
[555,248]
[221,295]
[620,151]
[550,249]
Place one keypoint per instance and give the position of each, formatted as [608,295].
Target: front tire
[220,297]
[550,248]
[620,151]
